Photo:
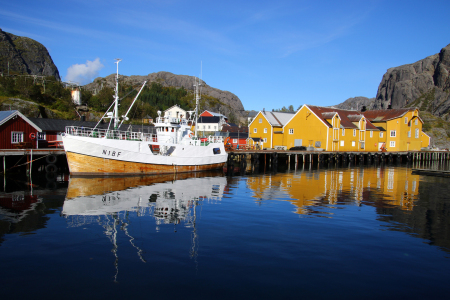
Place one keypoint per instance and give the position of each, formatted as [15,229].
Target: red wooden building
[17,131]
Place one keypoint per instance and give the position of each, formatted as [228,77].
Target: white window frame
[392,144]
[417,133]
[342,143]
[381,134]
[353,143]
[393,133]
[343,131]
[260,120]
[265,140]
[41,136]
[291,130]
[16,137]
[371,133]
[406,120]
[409,133]
[265,130]
[235,141]
[416,122]
[354,132]
[255,130]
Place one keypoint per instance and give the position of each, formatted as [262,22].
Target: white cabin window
[265,140]
[235,141]
[342,143]
[417,133]
[381,134]
[393,133]
[41,136]
[406,120]
[265,130]
[16,137]
[353,143]
[343,131]
[291,130]
[260,120]
[409,133]
[416,122]
[392,144]
[354,132]
[255,130]
[371,134]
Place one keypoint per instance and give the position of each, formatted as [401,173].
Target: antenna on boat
[116,96]
[197,99]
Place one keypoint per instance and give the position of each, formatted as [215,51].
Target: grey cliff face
[231,104]
[25,56]
[424,84]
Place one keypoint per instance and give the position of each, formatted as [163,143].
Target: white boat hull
[94,156]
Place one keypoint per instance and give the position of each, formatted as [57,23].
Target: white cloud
[84,73]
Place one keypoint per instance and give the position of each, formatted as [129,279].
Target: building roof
[214,114]
[208,120]
[347,117]
[240,135]
[7,115]
[277,119]
[176,105]
[384,115]
[231,127]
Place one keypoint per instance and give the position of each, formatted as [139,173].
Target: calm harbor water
[353,232]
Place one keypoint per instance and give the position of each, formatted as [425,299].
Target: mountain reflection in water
[359,231]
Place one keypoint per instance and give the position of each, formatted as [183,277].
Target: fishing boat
[174,148]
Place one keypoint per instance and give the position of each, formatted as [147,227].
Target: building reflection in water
[308,189]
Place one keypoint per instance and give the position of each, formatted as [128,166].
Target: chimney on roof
[83,118]
[389,106]
[363,108]
[264,110]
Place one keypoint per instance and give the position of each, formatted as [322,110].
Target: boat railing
[110,134]
[171,120]
[205,141]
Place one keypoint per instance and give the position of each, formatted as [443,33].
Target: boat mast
[116,96]
[197,99]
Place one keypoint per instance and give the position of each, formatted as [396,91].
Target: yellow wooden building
[403,128]
[332,129]
[268,126]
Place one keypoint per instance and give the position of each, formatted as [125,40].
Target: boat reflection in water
[169,199]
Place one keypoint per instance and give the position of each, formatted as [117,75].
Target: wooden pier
[271,159]
[17,160]
[52,159]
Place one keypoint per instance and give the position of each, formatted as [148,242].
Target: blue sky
[269,53]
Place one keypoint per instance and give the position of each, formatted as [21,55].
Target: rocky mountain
[424,84]
[229,104]
[356,103]
[25,56]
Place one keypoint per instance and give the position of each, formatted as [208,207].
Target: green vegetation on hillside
[45,91]
[52,94]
